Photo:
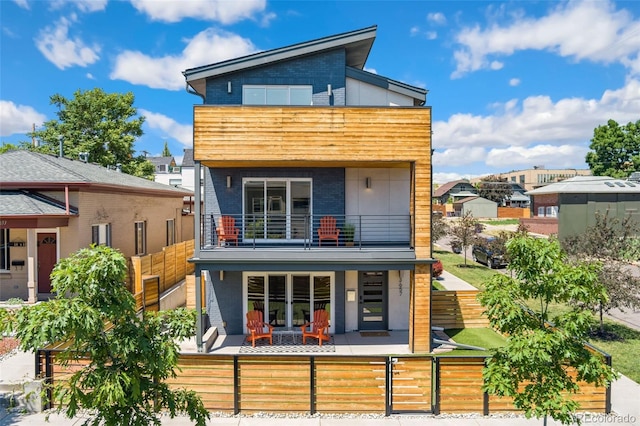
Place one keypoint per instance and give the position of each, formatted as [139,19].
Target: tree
[102,125]
[615,149]
[439,227]
[541,364]
[494,188]
[129,357]
[165,150]
[613,243]
[464,231]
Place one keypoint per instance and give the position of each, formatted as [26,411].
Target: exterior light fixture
[228,181]
[367,182]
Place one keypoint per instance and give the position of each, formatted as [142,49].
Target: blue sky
[512,84]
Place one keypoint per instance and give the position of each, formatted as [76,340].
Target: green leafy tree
[439,227]
[463,232]
[613,243]
[103,125]
[165,150]
[494,188]
[129,357]
[536,367]
[615,150]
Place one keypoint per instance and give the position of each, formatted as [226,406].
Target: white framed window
[101,234]
[171,232]
[552,211]
[175,182]
[140,238]
[288,299]
[541,211]
[277,208]
[276,95]
[5,258]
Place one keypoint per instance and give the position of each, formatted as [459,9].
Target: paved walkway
[451,282]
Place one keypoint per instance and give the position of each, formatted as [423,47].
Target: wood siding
[457,309]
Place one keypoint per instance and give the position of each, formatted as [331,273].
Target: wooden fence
[457,309]
[513,212]
[155,273]
[336,384]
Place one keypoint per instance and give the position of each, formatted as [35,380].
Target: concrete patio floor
[352,343]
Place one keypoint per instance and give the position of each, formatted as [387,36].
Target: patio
[353,343]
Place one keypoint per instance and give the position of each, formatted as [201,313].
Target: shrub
[437,269]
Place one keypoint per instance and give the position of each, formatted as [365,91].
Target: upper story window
[4,249]
[140,232]
[276,95]
[101,234]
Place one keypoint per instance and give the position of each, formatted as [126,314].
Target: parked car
[483,251]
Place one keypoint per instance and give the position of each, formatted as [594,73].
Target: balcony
[300,232]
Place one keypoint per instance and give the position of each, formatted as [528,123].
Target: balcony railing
[301,231]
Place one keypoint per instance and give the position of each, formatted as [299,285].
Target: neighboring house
[290,136]
[479,207]
[50,207]
[539,176]
[454,190]
[166,171]
[577,199]
[518,198]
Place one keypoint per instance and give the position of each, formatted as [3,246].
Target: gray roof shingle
[26,167]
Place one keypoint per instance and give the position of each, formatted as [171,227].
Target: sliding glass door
[276,209]
[288,299]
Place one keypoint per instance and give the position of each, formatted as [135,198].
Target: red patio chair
[328,230]
[319,327]
[258,329]
[227,230]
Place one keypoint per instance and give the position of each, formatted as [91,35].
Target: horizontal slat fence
[457,309]
[335,384]
[170,266]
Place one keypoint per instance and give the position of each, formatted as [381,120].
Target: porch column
[199,333]
[32,247]
[420,310]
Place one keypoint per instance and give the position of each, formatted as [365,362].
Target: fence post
[607,400]
[312,385]
[435,404]
[48,367]
[485,397]
[236,386]
[388,387]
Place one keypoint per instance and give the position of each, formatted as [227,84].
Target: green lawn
[481,337]
[474,273]
[624,352]
[501,222]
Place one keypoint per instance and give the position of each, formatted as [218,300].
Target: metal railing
[292,230]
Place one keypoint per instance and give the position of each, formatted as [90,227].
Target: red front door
[46,261]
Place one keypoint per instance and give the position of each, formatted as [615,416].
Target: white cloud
[496,65]
[414,31]
[22,3]
[223,11]
[514,82]
[524,131]
[538,118]
[54,43]
[441,178]
[90,76]
[183,133]
[82,5]
[371,70]
[562,31]
[18,118]
[437,18]
[165,72]
[551,156]
[431,35]
[458,156]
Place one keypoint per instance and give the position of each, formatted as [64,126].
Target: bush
[437,269]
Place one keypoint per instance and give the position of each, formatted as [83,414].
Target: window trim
[107,234]
[170,232]
[288,202]
[266,87]
[140,227]
[5,249]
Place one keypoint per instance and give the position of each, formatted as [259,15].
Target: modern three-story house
[317,190]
